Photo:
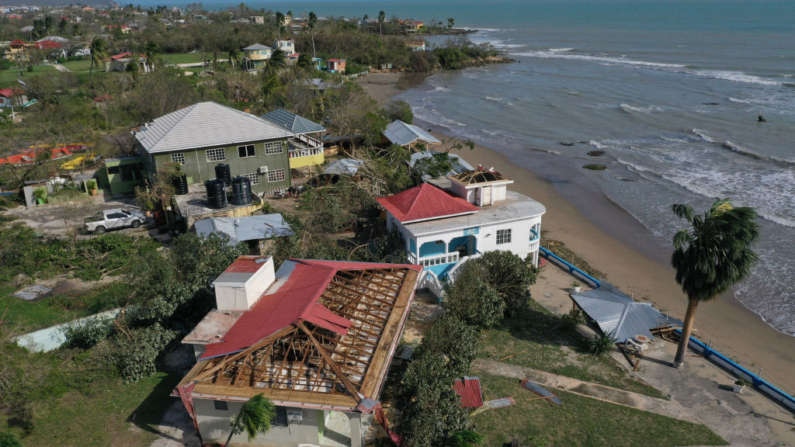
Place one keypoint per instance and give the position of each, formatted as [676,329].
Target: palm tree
[277,61]
[98,53]
[150,51]
[254,418]
[233,55]
[381,18]
[711,255]
[312,23]
[280,22]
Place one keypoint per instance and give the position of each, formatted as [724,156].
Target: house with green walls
[122,175]
[203,135]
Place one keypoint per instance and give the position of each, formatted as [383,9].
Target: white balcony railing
[447,258]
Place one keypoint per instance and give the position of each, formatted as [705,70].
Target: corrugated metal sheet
[459,164]
[249,228]
[292,122]
[619,314]
[343,166]
[469,390]
[404,134]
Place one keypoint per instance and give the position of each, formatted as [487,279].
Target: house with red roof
[17,50]
[12,97]
[336,65]
[460,219]
[315,337]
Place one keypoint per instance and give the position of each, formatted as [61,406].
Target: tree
[464,438]
[397,109]
[277,61]
[472,299]
[312,23]
[711,255]
[280,22]
[150,51]
[381,18]
[510,275]
[451,337]
[254,418]
[450,23]
[99,52]
[62,26]
[233,54]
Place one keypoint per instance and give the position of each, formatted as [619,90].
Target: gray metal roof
[343,166]
[249,228]
[292,122]
[206,124]
[257,46]
[617,313]
[404,134]
[459,164]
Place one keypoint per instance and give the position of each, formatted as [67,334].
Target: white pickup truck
[114,219]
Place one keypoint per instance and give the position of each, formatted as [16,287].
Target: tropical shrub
[472,299]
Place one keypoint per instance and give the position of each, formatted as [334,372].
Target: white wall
[241,296]
[214,426]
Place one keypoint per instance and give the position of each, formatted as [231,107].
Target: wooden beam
[348,385]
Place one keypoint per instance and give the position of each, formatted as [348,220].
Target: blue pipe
[548,254]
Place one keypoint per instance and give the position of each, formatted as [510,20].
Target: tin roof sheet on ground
[206,124]
[343,166]
[617,313]
[248,228]
[469,390]
[404,134]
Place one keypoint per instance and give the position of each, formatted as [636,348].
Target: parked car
[114,219]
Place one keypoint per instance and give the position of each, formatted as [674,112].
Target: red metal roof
[245,264]
[293,301]
[10,92]
[469,390]
[425,202]
[47,44]
[336,60]
[121,55]
[17,43]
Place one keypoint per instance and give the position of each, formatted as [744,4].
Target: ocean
[670,90]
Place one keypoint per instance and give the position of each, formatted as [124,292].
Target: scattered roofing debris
[480,176]
[343,166]
[493,404]
[469,390]
[541,391]
[620,315]
[33,292]
[404,134]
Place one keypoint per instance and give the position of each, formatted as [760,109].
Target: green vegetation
[537,339]
[579,421]
[78,66]
[253,418]
[602,343]
[188,58]
[593,167]
[713,254]
[8,78]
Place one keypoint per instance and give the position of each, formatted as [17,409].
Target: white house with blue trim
[444,228]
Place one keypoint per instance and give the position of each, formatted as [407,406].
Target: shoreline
[734,330]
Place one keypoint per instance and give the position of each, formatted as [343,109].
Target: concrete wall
[199,169]
[240,296]
[214,426]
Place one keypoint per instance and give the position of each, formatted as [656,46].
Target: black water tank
[180,184]
[241,191]
[222,172]
[216,194]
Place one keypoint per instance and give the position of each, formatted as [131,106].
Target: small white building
[286,45]
[444,228]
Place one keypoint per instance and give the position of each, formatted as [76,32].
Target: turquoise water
[669,89]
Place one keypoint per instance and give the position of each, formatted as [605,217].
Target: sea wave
[741,101]
[734,76]
[628,108]
[742,151]
[702,135]
[564,53]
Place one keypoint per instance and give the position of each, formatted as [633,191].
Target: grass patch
[580,421]
[25,316]
[102,416]
[78,66]
[560,249]
[188,58]
[537,342]
[595,167]
[8,78]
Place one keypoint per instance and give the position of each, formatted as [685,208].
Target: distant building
[286,45]
[124,28]
[256,56]
[122,175]
[257,20]
[256,232]
[407,135]
[416,45]
[336,65]
[12,97]
[17,51]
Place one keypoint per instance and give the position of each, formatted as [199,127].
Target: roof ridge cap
[416,197]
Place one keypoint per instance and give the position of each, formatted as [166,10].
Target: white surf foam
[565,53]
[702,135]
[629,108]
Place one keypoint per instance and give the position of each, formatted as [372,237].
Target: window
[275,176]
[216,154]
[221,405]
[113,170]
[178,157]
[503,237]
[246,151]
[281,417]
[274,147]
[253,177]
[129,173]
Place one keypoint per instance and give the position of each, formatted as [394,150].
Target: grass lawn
[579,421]
[102,416]
[8,78]
[25,316]
[79,66]
[534,341]
[188,58]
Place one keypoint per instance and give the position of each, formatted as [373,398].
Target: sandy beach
[734,330]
